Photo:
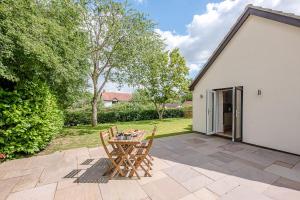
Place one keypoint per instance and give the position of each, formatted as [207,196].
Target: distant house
[187,103]
[172,105]
[178,105]
[110,98]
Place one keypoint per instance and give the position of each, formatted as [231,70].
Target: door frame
[234,121]
[234,117]
[211,112]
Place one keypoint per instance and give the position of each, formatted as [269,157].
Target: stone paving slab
[155,176]
[212,171]
[297,167]
[287,183]
[181,173]
[196,183]
[165,189]
[282,193]
[223,186]
[205,194]
[244,193]
[122,189]
[6,186]
[189,197]
[186,167]
[254,174]
[78,192]
[28,181]
[284,172]
[45,192]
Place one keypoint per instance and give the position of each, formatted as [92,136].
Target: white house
[249,90]
[110,98]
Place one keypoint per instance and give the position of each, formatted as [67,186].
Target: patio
[187,167]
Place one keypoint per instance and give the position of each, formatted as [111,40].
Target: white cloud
[140,1]
[206,30]
[114,87]
[193,67]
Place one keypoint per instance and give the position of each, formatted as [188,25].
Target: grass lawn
[87,136]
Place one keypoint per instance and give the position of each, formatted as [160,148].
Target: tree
[163,78]
[115,35]
[188,96]
[140,97]
[43,41]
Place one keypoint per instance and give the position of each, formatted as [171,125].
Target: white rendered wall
[265,55]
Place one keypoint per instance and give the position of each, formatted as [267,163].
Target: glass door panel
[210,112]
[238,111]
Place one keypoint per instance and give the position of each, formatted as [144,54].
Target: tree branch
[104,82]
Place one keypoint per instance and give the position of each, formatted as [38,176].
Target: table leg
[127,157]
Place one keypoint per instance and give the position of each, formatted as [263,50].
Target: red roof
[188,103]
[110,96]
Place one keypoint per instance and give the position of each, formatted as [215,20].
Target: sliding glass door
[237,114]
[211,112]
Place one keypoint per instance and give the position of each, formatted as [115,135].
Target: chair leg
[149,162]
[146,162]
[146,170]
[117,168]
[133,169]
[139,164]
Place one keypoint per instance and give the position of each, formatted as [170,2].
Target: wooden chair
[144,144]
[142,153]
[113,131]
[114,155]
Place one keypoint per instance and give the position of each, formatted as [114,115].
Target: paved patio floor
[186,167]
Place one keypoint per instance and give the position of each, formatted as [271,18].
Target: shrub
[29,118]
[74,118]
[188,112]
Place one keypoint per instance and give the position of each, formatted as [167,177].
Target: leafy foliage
[29,118]
[132,105]
[116,34]
[44,40]
[75,118]
[163,78]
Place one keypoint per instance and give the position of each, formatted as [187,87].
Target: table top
[133,140]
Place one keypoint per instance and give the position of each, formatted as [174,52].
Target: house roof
[113,96]
[187,103]
[287,18]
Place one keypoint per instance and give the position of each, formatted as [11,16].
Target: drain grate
[87,162]
[73,173]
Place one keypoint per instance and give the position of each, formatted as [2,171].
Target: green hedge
[74,118]
[29,117]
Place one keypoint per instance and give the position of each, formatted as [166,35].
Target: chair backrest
[150,142]
[104,136]
[113,131]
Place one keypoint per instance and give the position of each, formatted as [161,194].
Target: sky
[196,27]
[171,15]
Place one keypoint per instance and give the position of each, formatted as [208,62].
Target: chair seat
[143,144]
[140,151]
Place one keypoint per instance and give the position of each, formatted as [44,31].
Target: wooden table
[126,147]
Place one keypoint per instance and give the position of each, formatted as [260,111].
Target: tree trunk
[94,111]
[160,115]
[160,111]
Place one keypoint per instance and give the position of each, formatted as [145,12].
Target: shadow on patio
[230,164]
[225,168]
